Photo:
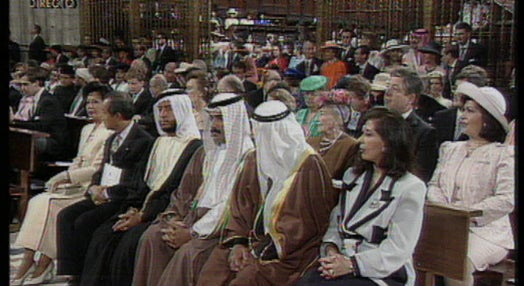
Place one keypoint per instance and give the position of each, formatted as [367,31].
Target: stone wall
[60,21]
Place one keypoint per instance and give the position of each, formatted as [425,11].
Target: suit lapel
[375,204]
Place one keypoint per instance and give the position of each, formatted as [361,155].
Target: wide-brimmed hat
[84,74]
[435,74]
[432,48]
[185,67]
[232,11]
[314,82]
[421,31]
[20,81]
[331,45]
[394,44]
[489,98]
[380,82]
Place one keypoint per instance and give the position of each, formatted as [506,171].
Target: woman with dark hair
[479,174]
[375,227]
[39,228]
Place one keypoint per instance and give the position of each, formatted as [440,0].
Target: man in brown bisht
[275,229]
[173,251]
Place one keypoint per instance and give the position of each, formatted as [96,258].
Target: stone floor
[16,255]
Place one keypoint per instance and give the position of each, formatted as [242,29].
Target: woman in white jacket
[375,227]
[479,174]
[38,231]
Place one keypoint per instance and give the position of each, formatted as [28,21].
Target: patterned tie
[75,105]
[115,144]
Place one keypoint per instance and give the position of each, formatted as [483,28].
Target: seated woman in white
[375,227]
[479,174]
[38,231]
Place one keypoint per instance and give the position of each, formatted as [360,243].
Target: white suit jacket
[390,237]
[483,180]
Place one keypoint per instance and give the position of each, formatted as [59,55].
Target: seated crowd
[263,167]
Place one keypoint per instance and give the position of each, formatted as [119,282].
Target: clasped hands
[128,220]
[239,257]
[176,234]
[97,194]
[335,265]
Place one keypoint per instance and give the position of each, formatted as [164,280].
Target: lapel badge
[374,204]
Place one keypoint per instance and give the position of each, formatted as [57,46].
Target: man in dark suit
[84,57]
[37,46]
[109,60]
[425,107]
[360,65]
[240,70]
[44,113]
[142,98]
[164,54]
[470,53]
[446,122]
[66,91]
[452,66]
[114,184]
[311,64]
[348,42]
[58,54]
[404,89]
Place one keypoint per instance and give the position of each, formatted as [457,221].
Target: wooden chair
[23,157]
[443,246]
[502,272]
[443,242]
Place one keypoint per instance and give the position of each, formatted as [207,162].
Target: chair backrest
[22,149]
[443,242]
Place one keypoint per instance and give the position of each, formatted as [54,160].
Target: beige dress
[38,231]
[483,180]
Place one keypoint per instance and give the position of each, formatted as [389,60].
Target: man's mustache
[214,130]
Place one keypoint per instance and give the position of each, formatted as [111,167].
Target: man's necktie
[115,144]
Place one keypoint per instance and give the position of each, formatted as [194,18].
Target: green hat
[314,82]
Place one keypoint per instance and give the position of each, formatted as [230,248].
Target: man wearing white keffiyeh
[228,150]
[276,225]
[110,255]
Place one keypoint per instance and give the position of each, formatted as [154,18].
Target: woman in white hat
[479,174]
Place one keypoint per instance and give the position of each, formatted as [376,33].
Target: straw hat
[84,74]
[331,45]
[489,98]
[394,44]
[185,67]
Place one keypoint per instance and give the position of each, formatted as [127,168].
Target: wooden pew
[443,246]
[443,242]
[23,157]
